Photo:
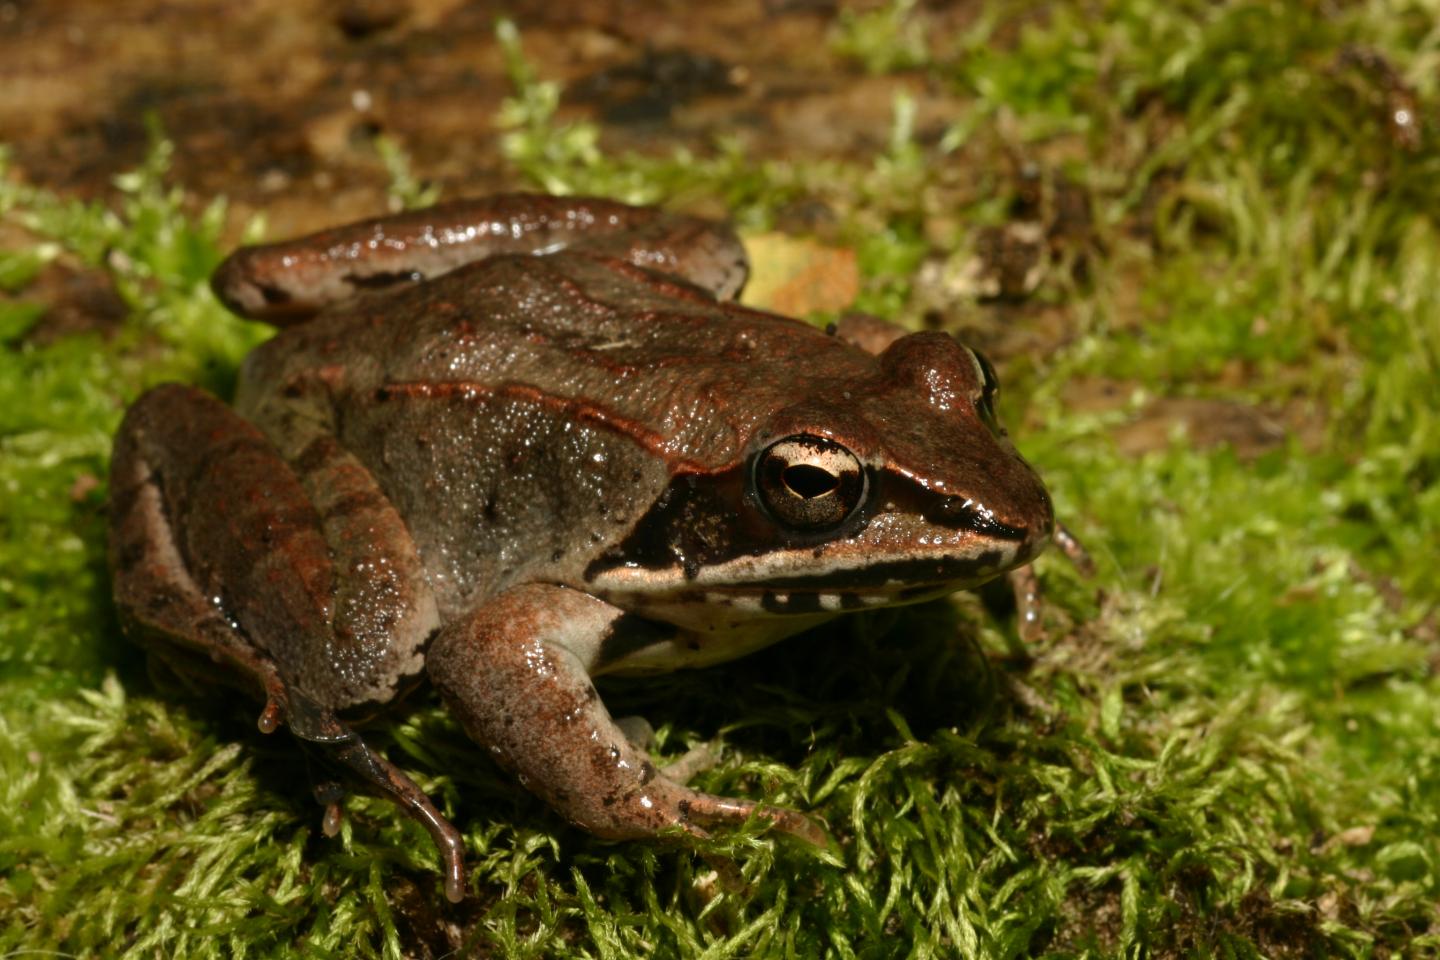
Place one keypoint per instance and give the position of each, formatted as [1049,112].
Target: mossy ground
[1229,744]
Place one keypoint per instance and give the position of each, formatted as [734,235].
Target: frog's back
[524,412]
[687,373]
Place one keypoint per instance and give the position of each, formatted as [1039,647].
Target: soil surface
[277,103]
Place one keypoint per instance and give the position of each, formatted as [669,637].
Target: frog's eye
[989,390]
[809,483]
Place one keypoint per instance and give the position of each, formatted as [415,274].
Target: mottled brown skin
[509,473]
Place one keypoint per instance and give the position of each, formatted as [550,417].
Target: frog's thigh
[158,599]
[516,673]
[324,581]
[206,517]
[207,526]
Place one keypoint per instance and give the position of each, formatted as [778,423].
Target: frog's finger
[1028,603]
[1071,546]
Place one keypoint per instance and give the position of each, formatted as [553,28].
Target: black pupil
[809,481]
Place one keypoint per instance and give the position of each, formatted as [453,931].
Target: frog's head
[891,487]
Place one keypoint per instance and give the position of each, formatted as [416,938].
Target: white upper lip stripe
[752,572]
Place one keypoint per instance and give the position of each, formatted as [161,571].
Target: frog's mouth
[759,586]
[947,571]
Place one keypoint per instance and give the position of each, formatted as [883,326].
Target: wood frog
[508,445]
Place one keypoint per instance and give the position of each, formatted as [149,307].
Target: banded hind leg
[284,283]
[297,583]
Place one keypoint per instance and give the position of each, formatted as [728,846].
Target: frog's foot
[337,744]
[516,673]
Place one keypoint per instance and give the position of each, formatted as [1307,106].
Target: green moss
[883,39]
[1225,746]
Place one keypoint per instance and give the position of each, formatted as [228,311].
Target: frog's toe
[692,762]
[330,794]
[337,744]
[800,826]
[1071,546]
[639,732]
[707,810]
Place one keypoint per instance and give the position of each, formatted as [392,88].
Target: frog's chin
[717,625]
[724,623]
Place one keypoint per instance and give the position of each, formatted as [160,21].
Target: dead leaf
[794,276]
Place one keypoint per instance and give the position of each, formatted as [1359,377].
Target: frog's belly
[697,645]
[698,627]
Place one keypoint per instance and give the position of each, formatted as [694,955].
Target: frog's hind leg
[284,283]
[219,556]
[517,674]
[160,604]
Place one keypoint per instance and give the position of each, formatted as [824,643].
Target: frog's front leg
[517,674]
